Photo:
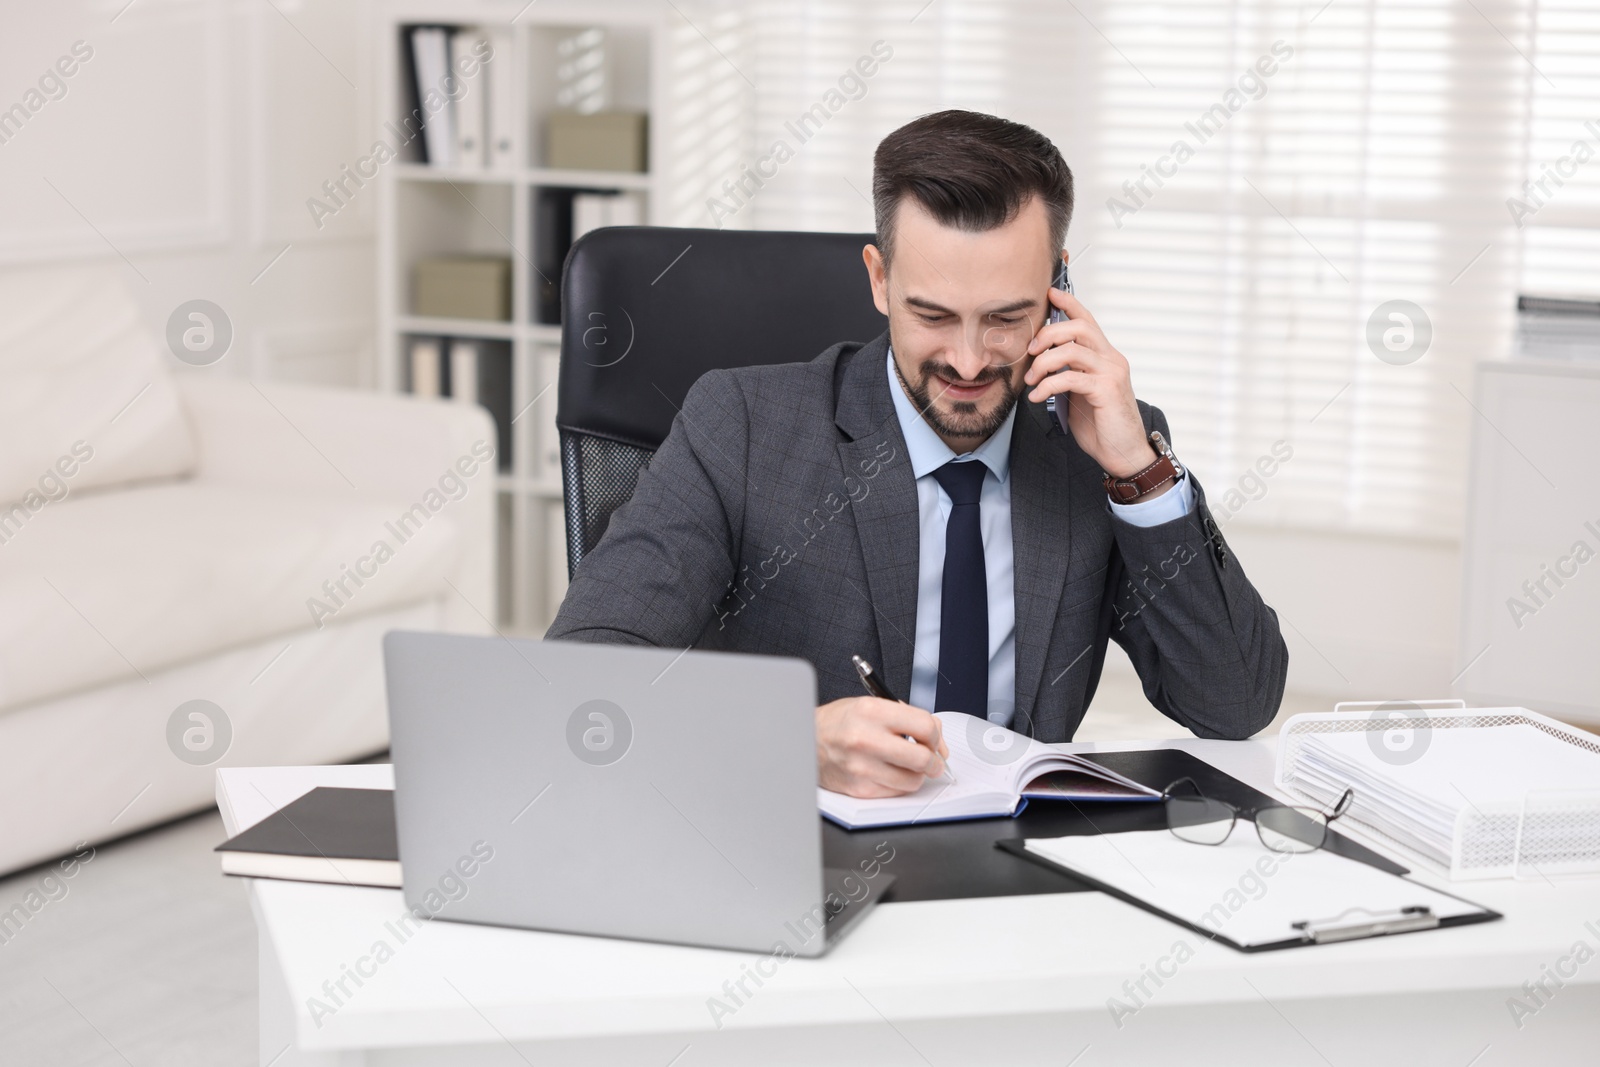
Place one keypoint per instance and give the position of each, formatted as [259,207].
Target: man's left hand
[1074,362]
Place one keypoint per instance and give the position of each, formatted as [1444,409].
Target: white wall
[184,149]
[1365,617]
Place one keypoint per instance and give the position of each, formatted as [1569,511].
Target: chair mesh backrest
[599,476]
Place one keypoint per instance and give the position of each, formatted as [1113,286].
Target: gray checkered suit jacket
[780,517]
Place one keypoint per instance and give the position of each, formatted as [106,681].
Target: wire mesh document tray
[1522,802]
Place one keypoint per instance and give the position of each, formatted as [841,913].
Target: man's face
[962,308]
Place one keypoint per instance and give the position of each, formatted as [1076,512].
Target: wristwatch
[1165,469]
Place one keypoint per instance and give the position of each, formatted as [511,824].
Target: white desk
[1011,980]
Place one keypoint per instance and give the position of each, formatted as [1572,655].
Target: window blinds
[1560,220]
[1262,188]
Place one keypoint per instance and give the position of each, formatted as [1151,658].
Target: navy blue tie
[964,604]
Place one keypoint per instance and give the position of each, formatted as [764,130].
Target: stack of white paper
[1423,796]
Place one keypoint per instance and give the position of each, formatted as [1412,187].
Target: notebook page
[970,787]
[1239,889]
[1075,783]
[1009,761]
[982,752]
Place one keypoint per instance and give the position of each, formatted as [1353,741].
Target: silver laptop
[628,792]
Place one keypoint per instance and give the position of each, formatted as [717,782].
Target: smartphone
[1062,281]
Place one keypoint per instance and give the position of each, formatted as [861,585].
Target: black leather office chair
[646,310]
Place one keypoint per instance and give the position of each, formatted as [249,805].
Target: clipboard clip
[1375,924]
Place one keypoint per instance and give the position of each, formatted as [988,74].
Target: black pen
[869,679]
[875,687]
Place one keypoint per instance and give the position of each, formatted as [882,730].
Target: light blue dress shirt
[928,453]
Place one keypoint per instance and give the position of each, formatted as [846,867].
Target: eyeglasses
[1202,820]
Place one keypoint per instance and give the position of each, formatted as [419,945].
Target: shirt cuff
[1173,504]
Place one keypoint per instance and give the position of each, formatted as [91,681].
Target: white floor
[149,957]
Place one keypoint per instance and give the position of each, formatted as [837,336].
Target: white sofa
[168,537]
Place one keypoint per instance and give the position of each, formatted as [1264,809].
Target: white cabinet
[1530,632]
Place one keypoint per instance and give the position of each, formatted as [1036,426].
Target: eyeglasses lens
[1199,819]
[1291,829]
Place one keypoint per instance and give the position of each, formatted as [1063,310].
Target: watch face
[1159,443]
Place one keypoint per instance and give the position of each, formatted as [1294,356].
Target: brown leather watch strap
[1165,469]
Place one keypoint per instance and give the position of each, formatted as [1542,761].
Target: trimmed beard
[965,421]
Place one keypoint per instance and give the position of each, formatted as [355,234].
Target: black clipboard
[1315,930]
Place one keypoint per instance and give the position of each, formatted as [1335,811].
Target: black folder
[340,836]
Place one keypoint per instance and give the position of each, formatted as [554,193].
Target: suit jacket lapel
[886,517]
[1041,537]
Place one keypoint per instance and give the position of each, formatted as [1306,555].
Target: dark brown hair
[971,171]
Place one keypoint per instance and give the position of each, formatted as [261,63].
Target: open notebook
[994,771]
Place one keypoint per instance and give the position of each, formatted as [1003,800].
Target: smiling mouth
[968,391]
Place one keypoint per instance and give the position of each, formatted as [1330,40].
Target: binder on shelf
[552,238]
[423,362]
[561,216]
[505,557]
[546,438]
[494,393]
[589,212]
[497,81]
[414,148]
[430,55]
[1245,896]
[464,371]
[469,371]
[555,569]
[627,209]
[466,47]
[594,210]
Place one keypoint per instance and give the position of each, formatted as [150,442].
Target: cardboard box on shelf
[603,140]
[462,287]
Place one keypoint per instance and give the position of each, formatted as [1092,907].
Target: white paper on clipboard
[1240,889]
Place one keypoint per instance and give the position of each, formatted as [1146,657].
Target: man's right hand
[862,749]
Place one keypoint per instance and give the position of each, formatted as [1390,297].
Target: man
[911,500]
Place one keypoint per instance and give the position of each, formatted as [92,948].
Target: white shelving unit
[559,62]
